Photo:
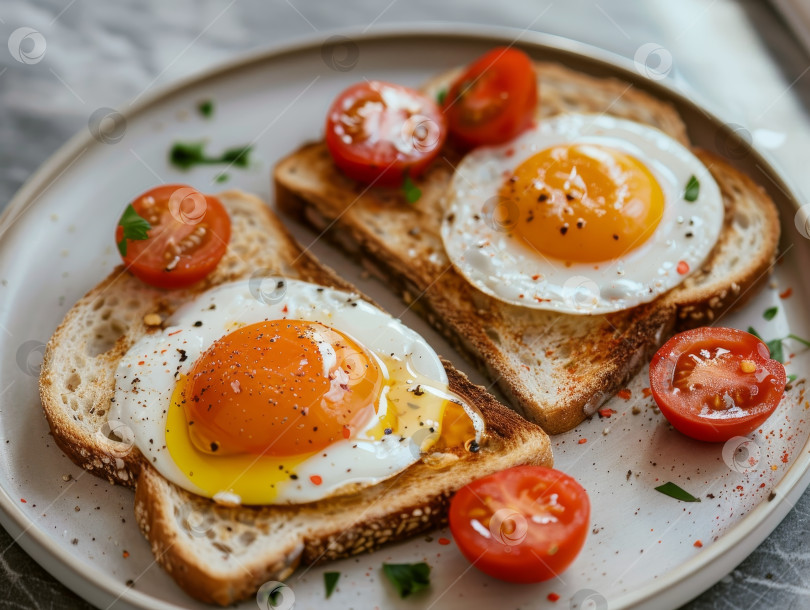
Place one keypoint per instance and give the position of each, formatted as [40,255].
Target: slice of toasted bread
[220,554]
[556,369]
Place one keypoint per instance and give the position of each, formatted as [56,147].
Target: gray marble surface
[737,56]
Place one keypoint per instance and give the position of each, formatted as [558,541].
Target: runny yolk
[264,389]
[582,203]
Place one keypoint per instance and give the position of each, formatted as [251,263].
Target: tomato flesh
[377,132]
[716,383]
[525,524]
[494,100]
[188,237]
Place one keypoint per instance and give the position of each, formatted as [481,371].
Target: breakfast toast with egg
[555,368]
[220,554]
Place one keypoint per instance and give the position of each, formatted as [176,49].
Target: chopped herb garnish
[206,108]
[222,177]
[412,192]
[135,227]
[186,155]
[330,580]
[770,313]
[408,578]
[692,189]
[775,345]
[441,96]
[791,378]
[673,491]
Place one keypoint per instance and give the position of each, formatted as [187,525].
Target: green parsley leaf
[239,156]
[135,227]
[692,189]
[673,491]
[441,96]
[791,378]
[186,155]
[206,108]
[412,192]
[775,347]
[222,177]
[408,578]
[754,332]
[770,313]
[330,580]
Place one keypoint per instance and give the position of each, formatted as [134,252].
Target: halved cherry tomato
[379,132]
[716,383]
[189,234]
[525,524]
[494,100]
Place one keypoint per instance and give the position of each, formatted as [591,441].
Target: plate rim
[97,585]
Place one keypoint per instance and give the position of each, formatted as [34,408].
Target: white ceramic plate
[57,243]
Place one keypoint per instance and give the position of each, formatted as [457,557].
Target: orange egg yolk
[581,203]
[264,389]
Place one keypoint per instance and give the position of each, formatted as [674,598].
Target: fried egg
[286,394]
[582,214]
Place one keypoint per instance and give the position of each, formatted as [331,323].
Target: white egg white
[498,263]
[146,376]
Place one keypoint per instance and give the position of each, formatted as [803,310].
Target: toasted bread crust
[414,501]
[558,377]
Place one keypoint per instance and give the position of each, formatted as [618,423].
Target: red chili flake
[23,500]
[316,479]
[142,362]
[624,394]
[582,441]
[175,332]
[786,294]
[444,541]
[125,554]
[536,277]
[606,412]
[509,153]
[785,457]
[683,267]
[284,309]
[346,432]
[553,597]
[646,392]
[539,300]
[698,544]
